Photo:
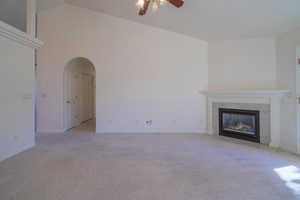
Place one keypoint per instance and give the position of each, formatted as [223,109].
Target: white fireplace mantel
[271,97]
[256,93]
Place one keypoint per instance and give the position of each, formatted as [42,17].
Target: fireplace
[241,124]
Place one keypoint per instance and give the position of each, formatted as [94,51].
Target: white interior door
[67,101]
[298,94]
[76,99]
[72,100]
[93,84]
[85,99]
[79,98]
[90,88]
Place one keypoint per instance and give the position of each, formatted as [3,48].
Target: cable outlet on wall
[149,123]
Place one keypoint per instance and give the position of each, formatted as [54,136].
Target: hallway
[86,128]
[80,164]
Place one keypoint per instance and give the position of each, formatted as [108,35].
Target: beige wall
[143,73]
[261,63]
[286,76]
[48,4]
[16,102]
[242,64]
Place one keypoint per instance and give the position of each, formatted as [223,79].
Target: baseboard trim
[153,133]
[51,131]
[24,148]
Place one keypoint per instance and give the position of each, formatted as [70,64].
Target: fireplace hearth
[241,124]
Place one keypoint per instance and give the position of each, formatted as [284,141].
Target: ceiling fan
[144,4]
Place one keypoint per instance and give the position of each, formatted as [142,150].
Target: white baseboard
[22,149]
[154,133]
[51,131]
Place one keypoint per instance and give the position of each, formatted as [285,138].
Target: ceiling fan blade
[177,3]
[145,8]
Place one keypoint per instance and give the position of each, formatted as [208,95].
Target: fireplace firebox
[241,124]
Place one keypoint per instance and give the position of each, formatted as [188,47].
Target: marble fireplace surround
[268,102]
[264,117]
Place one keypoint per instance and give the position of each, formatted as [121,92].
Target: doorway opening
[298,95]
[79,93]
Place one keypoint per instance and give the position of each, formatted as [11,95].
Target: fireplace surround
[267,102]
[241,124]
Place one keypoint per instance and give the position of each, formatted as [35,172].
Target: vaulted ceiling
[210,19]
[48,4]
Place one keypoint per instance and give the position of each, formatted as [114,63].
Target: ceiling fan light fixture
[144,4]
[155,3]
[162,2]
[140,4]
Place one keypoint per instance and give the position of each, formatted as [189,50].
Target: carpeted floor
[80,165]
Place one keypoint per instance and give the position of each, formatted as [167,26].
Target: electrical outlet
[149,123]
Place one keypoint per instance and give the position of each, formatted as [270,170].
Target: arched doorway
[79,93]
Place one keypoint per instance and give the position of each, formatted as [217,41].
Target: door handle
[68,101]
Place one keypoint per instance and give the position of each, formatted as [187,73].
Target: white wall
[242,64]
[13,12]
[259,64]
[286,76]
[48,4]
[143,73]
[16,102]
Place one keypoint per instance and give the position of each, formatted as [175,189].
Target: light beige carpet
[80,165]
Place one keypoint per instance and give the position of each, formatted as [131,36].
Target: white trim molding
[16,35]
[31,17]
[43,131]
[270,97]
[256,93]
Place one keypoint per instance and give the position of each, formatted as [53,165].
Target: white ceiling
[13,12]
[210,19]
